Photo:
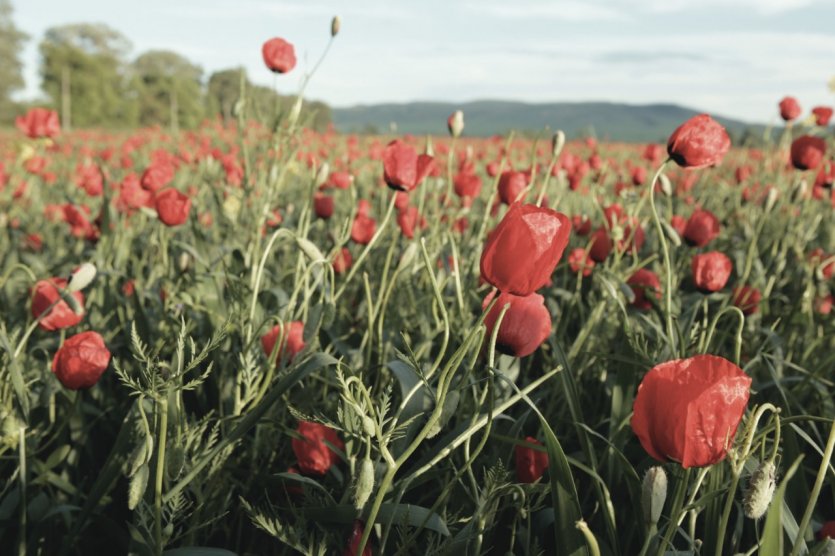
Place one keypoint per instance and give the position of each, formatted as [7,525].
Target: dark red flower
[354,542]
[313,455]
[702,228]
[601,245]
[581,224]
[520,254]
[279,55]
[403,168]
[323,205]
[827,531]
[342,261]
[511,186]
[172,207]
[698,143]
[790,109]
[711,271]
[807,152]
[44,294]
[81,360]
[688,410]
[747,299]
[822,115]
[580,261]
[530,463]
[39,122]
[525,325]
[643,282]
[292,340]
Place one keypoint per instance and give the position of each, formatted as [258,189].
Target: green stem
[678,501]
[162,404]
[816,490]
[668,270]
[726,514]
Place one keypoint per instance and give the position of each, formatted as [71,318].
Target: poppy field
[255,338]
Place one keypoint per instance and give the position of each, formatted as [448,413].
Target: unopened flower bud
[455,123]
[368,426]
[654,494]
[760,490]
[323,173]
[81,278]
[557,142]
[336,23]
[365,483]
[184,261]
[666,186]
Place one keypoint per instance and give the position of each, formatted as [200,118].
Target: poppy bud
[455,123]
[653,494]
[698,143]
[520,254]
[790,109]
[688,410]
[807,152]
[702,228]
[81,360]
[336,24]
[557,142]
[760,490]
[403,168]
[525,325]
[82,277]
[530,464]
[364,484]
[313,454]
[172,207]
[642,282]
[62,314]
[279,55]
[822,115]
[711,271]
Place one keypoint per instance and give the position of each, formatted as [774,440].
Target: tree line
[88,75]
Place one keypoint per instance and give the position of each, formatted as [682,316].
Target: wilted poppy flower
[81,360]
[354,542]
[279,55]
[292,340]
[511,186]
[698,143]
[39,122]
[807,152]
[643,282]
[790,109]
[44,294]
[530,463]
[403,168]
[342,261]
[580,261]
[822,115]
[711,271]
[525,325]
[702,228]
[520,254]
[323,205]
[688,410]
[313,455]
[172,207]
[747,299]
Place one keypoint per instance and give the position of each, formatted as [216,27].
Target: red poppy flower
[172,207]
[790,109]
[363,228]
[530,464]
[39,122]
[698,143]
[702,228]
[342,261]
[156,176]
[511,186]
[467,185]
[354,542]
[292,340]
[408,219]
[711,271]
[525,325]
[81,360]
[279,55]
[44,294]
[581,224]
[580,261]
[807,152]
[747,298]
[678,223]
[340,180]
[688,410]
[822,115]
[403,168]
[323,205]
[313,455]
[601,245]
[642,282]
[522,251]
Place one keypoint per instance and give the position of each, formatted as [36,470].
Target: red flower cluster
[39,122]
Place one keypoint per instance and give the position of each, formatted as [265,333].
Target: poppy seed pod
[61,315]
[790,109]
[521,252]
[702,227]
[81,360]
[530,464]
[711,271]
[698,143]
[292,340]
[313,454]
[688,410]
[525,325]
[172,207]
[807,152]
[279,55]
[403,168]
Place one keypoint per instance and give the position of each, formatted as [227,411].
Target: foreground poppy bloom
[44,294]
[403,168]
[292,340]
[81,360]
[279,55]
[354,542]
[698,143]
[790,109]
[525,325]
[172,207]
[313,455]
[688,410]
[644,282]
[747,299]
[530,464]
[711,271]
[39,122]
[822,115]
[807,152]
[520,254]
[702,228]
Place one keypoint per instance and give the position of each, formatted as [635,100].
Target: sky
[735,58]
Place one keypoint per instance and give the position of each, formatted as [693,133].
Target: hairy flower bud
[336,23]
[81,278]
[557,142]
[654,494]
[365,483]
[760,490]
[455,123]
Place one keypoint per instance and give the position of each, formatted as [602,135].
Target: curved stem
[668,270]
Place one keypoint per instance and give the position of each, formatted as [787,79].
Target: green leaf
[772,537]
[198,551]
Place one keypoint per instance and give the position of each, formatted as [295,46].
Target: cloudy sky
[731,57]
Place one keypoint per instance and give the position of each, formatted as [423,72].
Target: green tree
[169,89]
[11,68]
[223,91]
[84,72]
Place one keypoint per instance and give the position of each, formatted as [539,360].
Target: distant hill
[605,120]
